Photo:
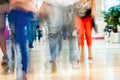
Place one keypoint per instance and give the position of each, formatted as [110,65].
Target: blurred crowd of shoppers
[63,22]
[23,19]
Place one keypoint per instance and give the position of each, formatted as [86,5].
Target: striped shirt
[3,10]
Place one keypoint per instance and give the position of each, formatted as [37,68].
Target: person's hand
[93,15]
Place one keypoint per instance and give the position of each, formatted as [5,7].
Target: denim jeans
[21,19]
[31,31]
[73,49]
[55,44]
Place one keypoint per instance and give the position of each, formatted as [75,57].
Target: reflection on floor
[106,64]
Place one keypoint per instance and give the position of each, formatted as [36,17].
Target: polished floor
[105,66]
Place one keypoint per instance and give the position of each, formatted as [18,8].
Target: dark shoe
[31,45]
[4,61]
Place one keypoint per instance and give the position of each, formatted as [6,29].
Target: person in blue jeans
[53,16]
[32,30]
[20,19]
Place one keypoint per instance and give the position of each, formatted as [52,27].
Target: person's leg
[3,44]
[38,37]
[24,55]
[30,37]
[88,33]
[34,29]
[31,28]
[52,45]
[20,36]
[32,33]
[55,48]
[12,29]
[81,34]
[74,52]
[59,39]
[39,34]
[3,47]
[79,23]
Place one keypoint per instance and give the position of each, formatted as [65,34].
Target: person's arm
[93,8]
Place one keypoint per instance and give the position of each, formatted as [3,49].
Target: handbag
[81,10]
[94,25]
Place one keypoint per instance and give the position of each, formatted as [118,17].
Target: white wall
[109,3]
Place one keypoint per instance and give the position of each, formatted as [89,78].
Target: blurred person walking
[39,32]
[4,9]
[20,20]
[70,33]
[52,14]
[84,15]
[34,21]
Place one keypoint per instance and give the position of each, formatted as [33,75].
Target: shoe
[4,61]
[5,69]
[53,67]
[31,45]
[22,77]
[75,64]
[90,59]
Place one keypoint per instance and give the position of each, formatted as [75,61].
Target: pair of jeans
[55,45]
[21,19]
[31,30]
[73,48]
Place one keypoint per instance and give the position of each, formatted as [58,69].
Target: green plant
[112,16]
